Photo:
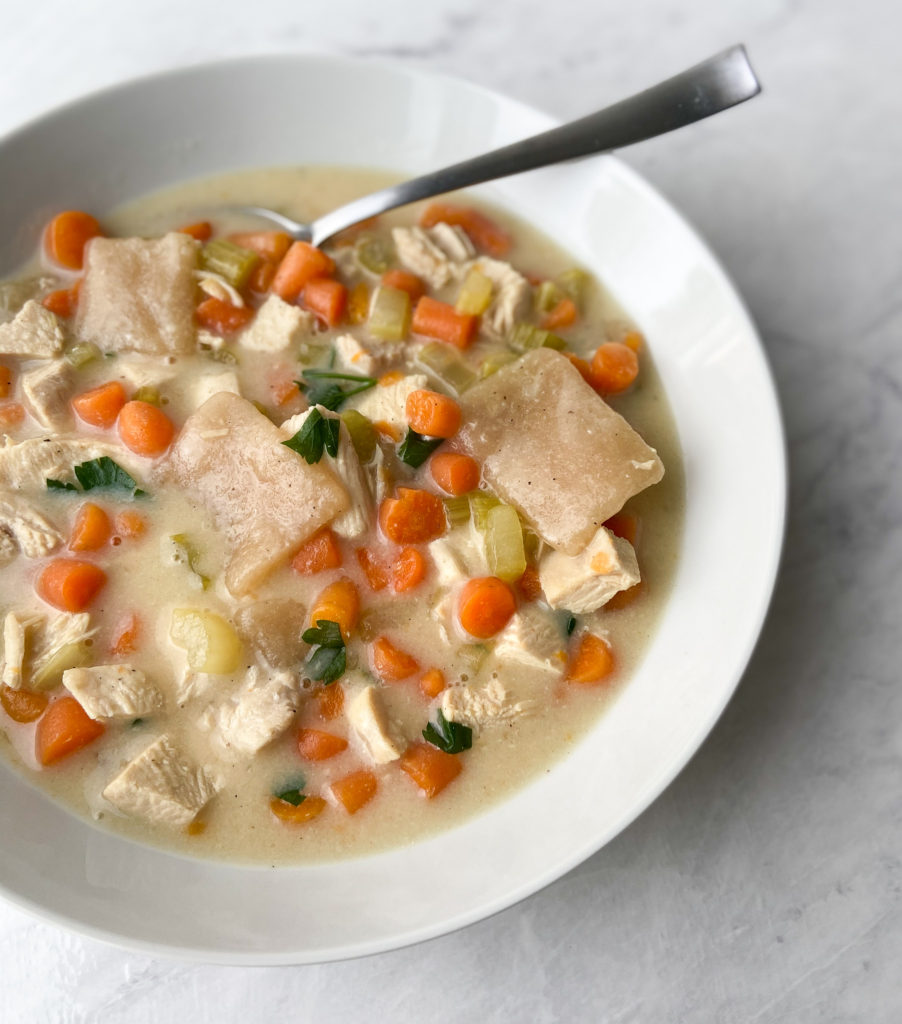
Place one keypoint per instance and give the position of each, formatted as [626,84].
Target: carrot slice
[316,745]
[483,231]
[432,682]
[300,264]
[414,517]
[564,314]
[67,235]
[485,606]
[92,528]
[101,405]
[222,317]
[125,640]
[408,571]
[392,377]
[623,525]
[358,303]
[391,663]
[317,554]
[339,602]
[331,700]
[64,301]
[271,245]
[327,298]
[454,473]
[592,662]
[307,810]
[69,584]
[354,790]
[62,729]
[439,320]
[585,370]
[22,705]
[6,380]
[262,277]
[529,585]
[130,524]
[614,368]
[430,768]
[11,415]
[374,568]
[404,281]
[145,429]
[200,231]
[432,414]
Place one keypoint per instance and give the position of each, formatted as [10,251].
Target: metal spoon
[716,84]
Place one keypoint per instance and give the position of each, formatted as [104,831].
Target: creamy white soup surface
[305,554]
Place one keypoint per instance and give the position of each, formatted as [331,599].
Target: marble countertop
[765,885]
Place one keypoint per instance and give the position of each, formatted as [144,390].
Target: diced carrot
[339,602]
[564,314]
[404,281]
[432,414]
[623,525]
[300,264]
[22,705]
[6,381]
[11,415]
[485,606]
[408,571]
[439,320]
[316,745]
[196,827]
[262,276]
[390,663]
[388,430]
[306,810]
[200,231]
[64,301]
[374,568]
[484,233]
[325,297]
[271,245]
[331,700]
[145,429]
[614,368]
[432,682]
[592,662]
[280,379]
[414,517]
[92,528]
[101,405]
[358,303]
[454,473]
[222,317]
[633,340]
[125,639]
[62,729]
[529,586]
[318,553]
[67,235]
[430,768]
[69,584]
[624,598]
[354,790]
[392,377]
[585,370]
[130,524]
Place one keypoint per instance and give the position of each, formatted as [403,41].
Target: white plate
[151,133]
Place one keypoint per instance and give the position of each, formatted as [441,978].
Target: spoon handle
[717,83]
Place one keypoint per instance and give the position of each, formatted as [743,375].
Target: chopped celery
[147,394]
[504,543]
[457,510]
[547,296]
[229,261]
[475,294]
[573,283]
[389,314]
[480,506]
[374,253]
[50,673]
[495,360]
[82,353]
[442,361]
[311,354]
[363,434]
[526,336]
[472,656]
[223,355]
[183,552]
[211,643]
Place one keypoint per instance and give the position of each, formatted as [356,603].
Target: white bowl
[158,131]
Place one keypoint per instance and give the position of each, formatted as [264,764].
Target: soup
[306,553]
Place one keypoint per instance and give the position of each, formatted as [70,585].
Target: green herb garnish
[100,473]
[452,737]
[320,388]
[318,433]
[416,449]
[58,485]
[291,796]
[571,625]
[329,660]
[325,633]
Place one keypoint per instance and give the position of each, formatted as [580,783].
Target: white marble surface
[764,886]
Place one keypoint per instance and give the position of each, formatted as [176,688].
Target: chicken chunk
[26,465]
[264,707]
[437,255]
[34,333]
[33,534]
[555,450]
[581,583]
[143,371]
[387,404]
[533,639]
[264,497]
[162,786]
[457,556]
[137,294]
[277,326]
[208,384]
[490,705]
[110,693]
[378,737]
[15,636]
[355,357]
[274,628]
[46,391]
[510,298]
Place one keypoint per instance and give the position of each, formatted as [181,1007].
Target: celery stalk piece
[82,353]
[525,336]
[441,361]
[504,543]
[229,261]
[472,656]
[457,510]
[480,506]
[147,394]
[374,253]
[212,645]
[185,553]
[494,361]
[389,314]
[475,294]
[547,296]
[311,354]
[363,434]
[574,283]
[50,674]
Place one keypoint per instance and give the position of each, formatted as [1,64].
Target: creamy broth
[237,823]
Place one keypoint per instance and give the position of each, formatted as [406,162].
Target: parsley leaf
[291,796]
[58,485]
[325,633]
[329,660]
[317,433]
[571,625]
[452,737]
[321,389]
[416,449]
[106,474]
